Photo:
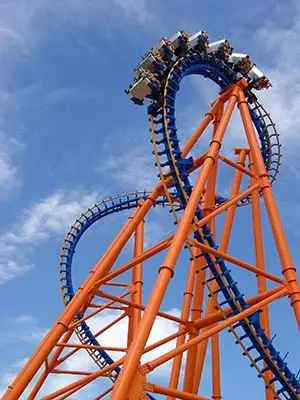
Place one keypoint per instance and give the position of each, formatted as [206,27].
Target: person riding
[243,66]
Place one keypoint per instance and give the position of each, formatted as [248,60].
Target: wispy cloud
[9,149]
[39,95]
[20,20]
[132,168]
[281,46]
[24,328]
[24,26]
[43,219]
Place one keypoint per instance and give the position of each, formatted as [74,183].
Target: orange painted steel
[174,393]
[137,284]
[202,347]
[288,268]
[169,355]
[139,306]
[208,208]
[196,311]
[192,382]
[186,309]
[138,311]
[236,261]
[260,263]
[217,316]
[167,269]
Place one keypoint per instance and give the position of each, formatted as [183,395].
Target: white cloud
[24,24]
[116,336]
[20,20]
[281,44]
[40,96]
[9,148]
[134,168]
[52,215]
[137,9]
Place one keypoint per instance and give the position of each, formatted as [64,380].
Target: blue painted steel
[165,117]
[217,71]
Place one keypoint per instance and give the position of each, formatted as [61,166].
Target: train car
[255,73]
[164,48]
[240,63]
[214,46]
[151,62]
[179,43]
[236,58]
[198,41]
[221,48]
[257,78]
[178,39]
[140,90]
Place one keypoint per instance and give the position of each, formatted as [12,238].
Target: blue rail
[165,121]
[93,214]
[265,352]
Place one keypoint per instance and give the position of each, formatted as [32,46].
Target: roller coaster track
[248,333]
[86,220]
[165,120]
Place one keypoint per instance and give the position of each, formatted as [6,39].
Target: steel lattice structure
[212,300]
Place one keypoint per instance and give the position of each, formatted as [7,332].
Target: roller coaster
[187,188]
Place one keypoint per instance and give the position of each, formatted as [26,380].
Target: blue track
[261,347]
[92,215]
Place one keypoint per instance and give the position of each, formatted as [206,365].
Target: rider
[243,66]
[224,51]
[183,47]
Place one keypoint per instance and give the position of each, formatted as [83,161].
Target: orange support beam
[137,283]
[150,366]
[167,269]
[186,308]
[260,263]
[288,269]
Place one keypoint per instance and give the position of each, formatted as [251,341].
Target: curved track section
[248,332]
[92,215]
[219,72]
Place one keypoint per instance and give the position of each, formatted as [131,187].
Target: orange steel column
[137,282]
[215,346]
[242,153]
[209,199]
[208,208]
[209,116]
[210,307]
[137,274]
[201,350]
[260,263]
[186,307]
[196,309]
[209,202]
[202,347]
[150,366]
[78,301]
[166,271]
[223,246]
[288,269]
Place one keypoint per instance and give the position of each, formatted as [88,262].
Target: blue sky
[70,137]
